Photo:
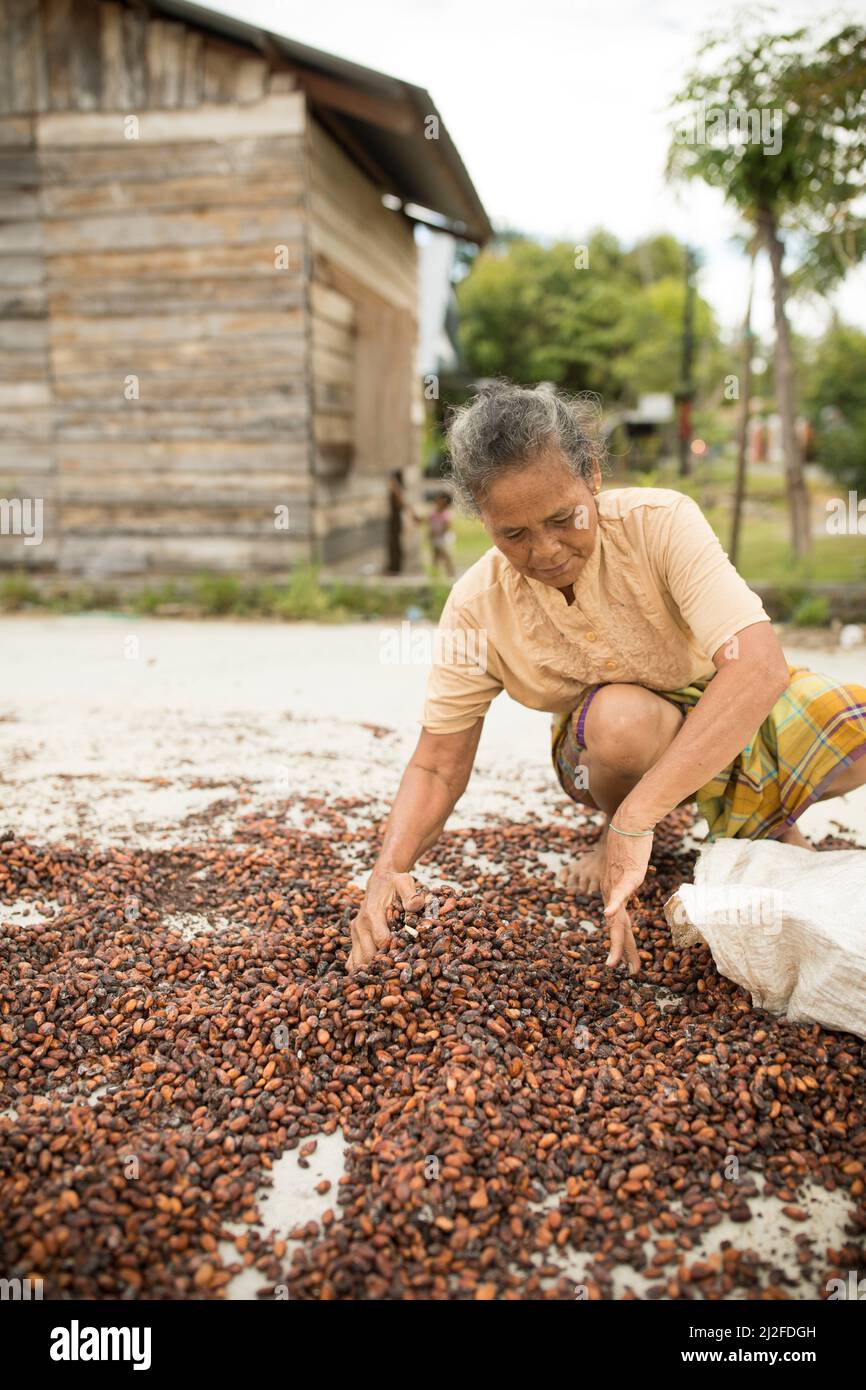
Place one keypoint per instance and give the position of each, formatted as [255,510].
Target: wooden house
[208,296]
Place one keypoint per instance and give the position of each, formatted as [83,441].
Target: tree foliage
[836,403]
[597,317]
[811,98]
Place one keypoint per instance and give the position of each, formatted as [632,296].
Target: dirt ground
[120,731]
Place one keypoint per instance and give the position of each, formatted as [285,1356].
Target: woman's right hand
[370,929]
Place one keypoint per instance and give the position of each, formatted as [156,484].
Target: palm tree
[777,123]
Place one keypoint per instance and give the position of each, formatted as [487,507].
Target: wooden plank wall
[170,288]
[364,327]
[154,293]
[173,376]
[27,472]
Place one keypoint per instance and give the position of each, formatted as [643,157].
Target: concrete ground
[122,730]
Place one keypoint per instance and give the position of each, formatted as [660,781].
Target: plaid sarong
[815,727]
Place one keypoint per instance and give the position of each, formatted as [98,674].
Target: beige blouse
[655,600]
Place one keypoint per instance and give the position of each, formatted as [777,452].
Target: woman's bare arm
[433,782]
[751,675]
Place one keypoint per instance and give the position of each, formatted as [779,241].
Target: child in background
[440,530]
[441,533]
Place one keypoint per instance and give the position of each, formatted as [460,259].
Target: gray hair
[505,427]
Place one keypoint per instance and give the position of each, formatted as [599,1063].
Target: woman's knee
[627,727]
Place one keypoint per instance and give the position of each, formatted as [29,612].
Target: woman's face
[543,519]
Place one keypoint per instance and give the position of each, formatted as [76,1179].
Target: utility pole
[686,392]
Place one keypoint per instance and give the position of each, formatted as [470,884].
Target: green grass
[208,595]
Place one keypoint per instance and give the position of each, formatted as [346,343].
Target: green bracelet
[632,834]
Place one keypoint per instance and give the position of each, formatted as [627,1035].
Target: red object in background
[807,440]
[684,420]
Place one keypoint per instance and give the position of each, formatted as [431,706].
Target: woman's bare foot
[793,836]
[585,874]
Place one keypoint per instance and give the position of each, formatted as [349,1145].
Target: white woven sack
[788,924]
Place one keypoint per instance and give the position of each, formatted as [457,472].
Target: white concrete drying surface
[107,721]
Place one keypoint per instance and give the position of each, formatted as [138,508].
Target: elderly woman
[620,614]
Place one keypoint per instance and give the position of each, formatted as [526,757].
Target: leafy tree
[803,173]
[593,317]
[836,403]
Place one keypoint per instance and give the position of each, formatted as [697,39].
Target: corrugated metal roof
[387,130]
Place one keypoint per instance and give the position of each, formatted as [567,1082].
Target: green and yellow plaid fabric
[815,727]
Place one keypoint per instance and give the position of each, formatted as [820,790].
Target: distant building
[209,291]
[437,351]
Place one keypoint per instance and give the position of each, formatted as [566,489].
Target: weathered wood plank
[20,270]
[275,114]
[267,157]
[350,510]
[18,167]
[17,132]
[333,337]
[19,204]
[7,90]
[173,510]
[86,54]
[188,420]
[364,256]
[25,335]
[216,226]
[172,328]
[112,554]
[15,555]
[24,456]
[221,383]
[246,358]
[350,226]
[24,394]
[251,79]
[259,495]
[193,68]
[123,33]
[333,429]
[202,191]
[56,25]
[116,87]
[16,237]
[73,52]
[327,303]
[33,424]
[146,296]
[164,56]
[25,54]
[243,457]
[170,515]
[211,259]
[333,367]
[333,396]
[23,302]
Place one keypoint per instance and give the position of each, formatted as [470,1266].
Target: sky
[559,109]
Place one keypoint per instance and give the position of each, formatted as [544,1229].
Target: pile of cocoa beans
[507,1099]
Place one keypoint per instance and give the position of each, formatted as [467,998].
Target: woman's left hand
[625,868]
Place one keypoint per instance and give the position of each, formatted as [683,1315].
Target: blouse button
[590,636]
[610,665]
